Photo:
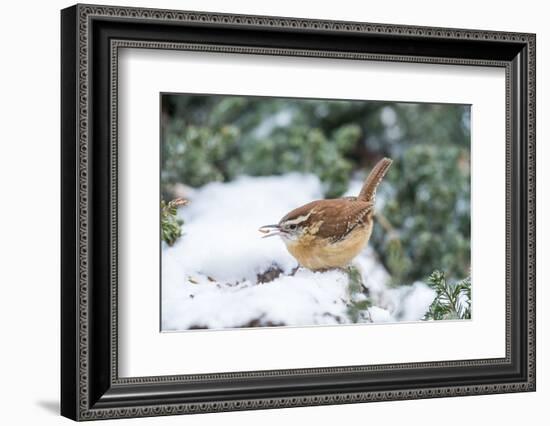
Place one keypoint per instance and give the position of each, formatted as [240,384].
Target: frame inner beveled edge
[117,44]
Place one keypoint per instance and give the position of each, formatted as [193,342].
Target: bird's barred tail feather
[374,178]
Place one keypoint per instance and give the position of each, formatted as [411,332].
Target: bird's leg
[293,272]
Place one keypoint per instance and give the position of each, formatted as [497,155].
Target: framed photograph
[263,212]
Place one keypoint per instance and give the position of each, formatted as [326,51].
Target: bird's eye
[293,226]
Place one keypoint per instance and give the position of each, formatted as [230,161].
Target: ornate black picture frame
[91,36]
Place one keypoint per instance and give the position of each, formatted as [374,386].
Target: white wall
[29,209]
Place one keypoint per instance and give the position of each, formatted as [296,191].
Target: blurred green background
[424,220]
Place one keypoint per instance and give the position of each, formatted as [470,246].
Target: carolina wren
[327,234]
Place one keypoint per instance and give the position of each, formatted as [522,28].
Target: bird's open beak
[270,230]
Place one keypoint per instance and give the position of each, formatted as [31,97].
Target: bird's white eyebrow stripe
[298,220]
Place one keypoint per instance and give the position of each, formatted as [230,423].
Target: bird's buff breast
[318,254]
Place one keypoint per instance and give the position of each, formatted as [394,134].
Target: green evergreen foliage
[452,301]
[170,224]
[199,149]
[197,155]
[428,203]
[359,303]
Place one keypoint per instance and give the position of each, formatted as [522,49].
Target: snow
[412,302]
[210,277]
[221,225]
[303,299]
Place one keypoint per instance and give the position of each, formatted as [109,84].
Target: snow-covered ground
[222,274]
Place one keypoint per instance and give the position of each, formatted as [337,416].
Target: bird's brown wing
[345,215]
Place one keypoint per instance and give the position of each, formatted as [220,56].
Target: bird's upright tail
[374,178]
